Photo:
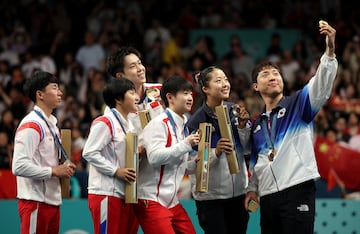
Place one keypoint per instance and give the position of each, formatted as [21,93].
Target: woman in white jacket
[168,144]
[105,151]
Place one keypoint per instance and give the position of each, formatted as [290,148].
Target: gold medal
[271,154]
[153,93]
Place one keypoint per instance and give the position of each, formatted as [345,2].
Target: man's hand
[64,170]
[330,33]
[250,196]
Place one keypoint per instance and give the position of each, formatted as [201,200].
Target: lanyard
[118,119]
[270,137]
[63,153]
[173,125]
[143,98]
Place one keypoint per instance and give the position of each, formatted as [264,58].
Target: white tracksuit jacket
[162,170]
[105,150]
[35,153]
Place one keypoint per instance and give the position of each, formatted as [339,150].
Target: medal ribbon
[118,119]
[142,99]
[173,125]
[269,132]
[57,141]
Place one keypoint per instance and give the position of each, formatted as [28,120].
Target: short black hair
[258,68]
[38,81]
[115,62]
[173,85]
[115,89]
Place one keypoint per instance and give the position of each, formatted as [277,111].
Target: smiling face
[134,70]
[182,102]
[129,104]
[269,82]
[218,87]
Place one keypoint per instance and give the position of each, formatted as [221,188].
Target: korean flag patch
[281,113]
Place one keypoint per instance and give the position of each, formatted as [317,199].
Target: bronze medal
[271,155]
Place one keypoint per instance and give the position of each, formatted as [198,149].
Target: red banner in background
[7,184]
[344,161]
[347,105]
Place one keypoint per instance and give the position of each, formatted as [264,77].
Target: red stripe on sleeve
[32,125]
[106,121]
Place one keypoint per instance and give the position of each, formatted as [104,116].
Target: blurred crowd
[72,39]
